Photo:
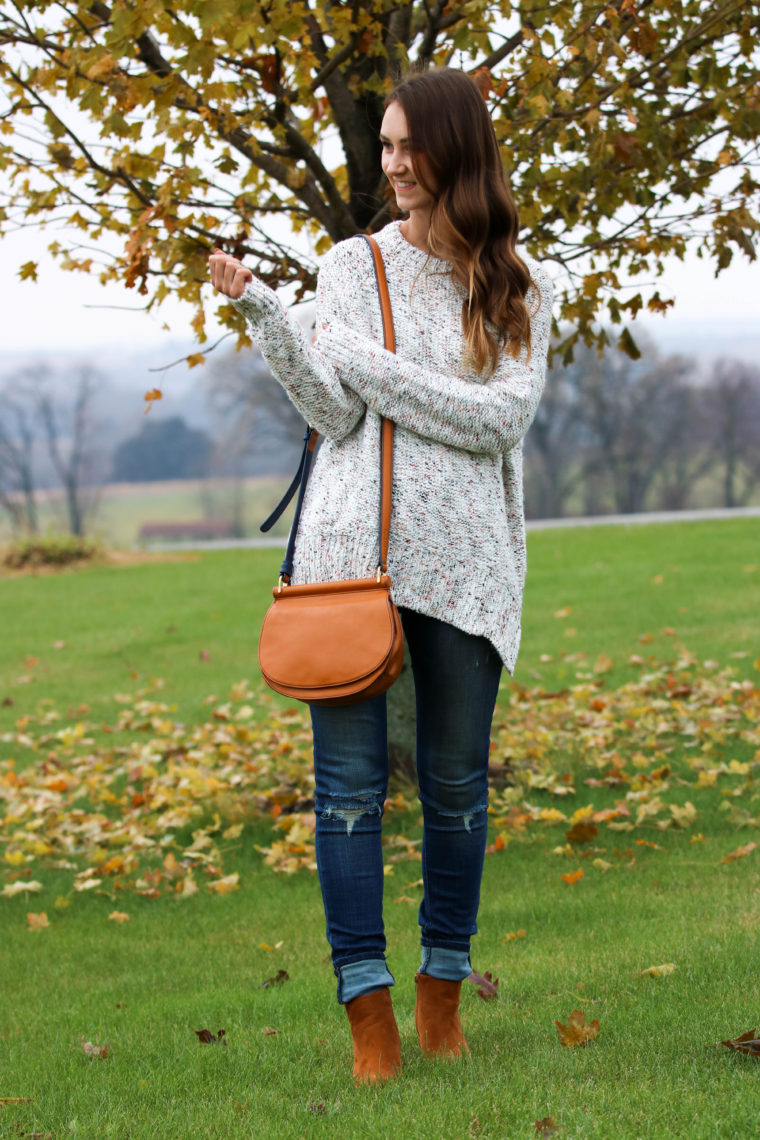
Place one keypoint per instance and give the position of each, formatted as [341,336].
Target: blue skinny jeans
[456,679]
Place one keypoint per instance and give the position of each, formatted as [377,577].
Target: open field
[120,509]
[164,820]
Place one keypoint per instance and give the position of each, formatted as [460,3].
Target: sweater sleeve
[488,417]
[310,380]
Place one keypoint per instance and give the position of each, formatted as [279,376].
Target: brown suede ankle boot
[377,1045]
[436,1015]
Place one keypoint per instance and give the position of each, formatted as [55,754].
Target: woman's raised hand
[228,275]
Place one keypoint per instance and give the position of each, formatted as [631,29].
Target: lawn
[141,777]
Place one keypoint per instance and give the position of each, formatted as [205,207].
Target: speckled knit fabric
[457,543]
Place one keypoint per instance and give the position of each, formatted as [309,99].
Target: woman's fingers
[228,275]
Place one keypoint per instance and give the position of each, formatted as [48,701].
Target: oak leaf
[577,1032]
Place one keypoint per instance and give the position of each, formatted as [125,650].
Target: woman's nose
[394,163]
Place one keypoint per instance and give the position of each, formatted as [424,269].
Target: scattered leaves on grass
[547,1128]
[487,985]
[577,1032]
[206,1037]
[739,853]
[111,803]
[660,971]
[747,1043]
[37,921]
[99,1051]
[277,980]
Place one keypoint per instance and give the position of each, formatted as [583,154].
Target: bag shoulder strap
[386,446]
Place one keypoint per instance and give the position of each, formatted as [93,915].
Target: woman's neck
[415,229]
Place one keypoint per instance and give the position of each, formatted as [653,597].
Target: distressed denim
[456,679]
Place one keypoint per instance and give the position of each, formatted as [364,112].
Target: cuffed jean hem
[449,965]
[357,978]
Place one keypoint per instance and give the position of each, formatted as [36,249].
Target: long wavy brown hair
[474,221]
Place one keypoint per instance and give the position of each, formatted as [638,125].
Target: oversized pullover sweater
[457,540]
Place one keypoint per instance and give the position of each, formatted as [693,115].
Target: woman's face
[397,162]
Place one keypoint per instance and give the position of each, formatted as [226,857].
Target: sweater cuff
[258,302]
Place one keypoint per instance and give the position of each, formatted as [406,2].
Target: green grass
[182,965]
[122,626]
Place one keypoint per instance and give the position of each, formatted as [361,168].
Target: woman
[472,322]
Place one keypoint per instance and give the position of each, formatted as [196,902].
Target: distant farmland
[117,511]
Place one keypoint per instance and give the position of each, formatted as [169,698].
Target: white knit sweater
[457,542]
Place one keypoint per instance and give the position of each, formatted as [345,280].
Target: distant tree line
[619,435]
[612,434]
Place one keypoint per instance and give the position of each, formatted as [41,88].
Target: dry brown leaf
[582,832]
[118,916]
[278,979]
[747,1043]
[91,1050]
[547,1128]
[37,921]
[487,985]
[577,1032]
[206,1037]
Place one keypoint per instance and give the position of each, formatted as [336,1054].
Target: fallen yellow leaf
[225,885]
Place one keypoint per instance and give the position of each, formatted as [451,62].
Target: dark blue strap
[278,510]
[300,481]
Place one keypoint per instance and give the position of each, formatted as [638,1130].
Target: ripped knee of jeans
[351,808]
[451,818]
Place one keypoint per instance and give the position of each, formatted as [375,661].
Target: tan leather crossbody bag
[336,643]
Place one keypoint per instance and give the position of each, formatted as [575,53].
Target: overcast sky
[62,310]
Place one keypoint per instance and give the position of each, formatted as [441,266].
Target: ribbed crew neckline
[406,245]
